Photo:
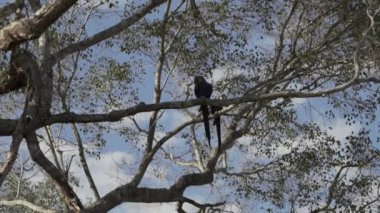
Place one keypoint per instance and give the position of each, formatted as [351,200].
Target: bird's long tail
[215,109]
[217,124]
[205,113]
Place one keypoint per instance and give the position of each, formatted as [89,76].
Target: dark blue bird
[203,90]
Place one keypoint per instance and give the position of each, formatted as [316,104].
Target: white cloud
[299,101]
[145,208]
[225,72]
[174,118]
[108,173]
[339,128]
[232,208]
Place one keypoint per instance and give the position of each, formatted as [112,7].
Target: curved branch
[149,156]
[130,192]
[107,33]
[202,206]
[83,161]
[61,179]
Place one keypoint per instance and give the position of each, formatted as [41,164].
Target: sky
[119,160]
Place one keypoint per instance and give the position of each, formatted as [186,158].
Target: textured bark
[11,8]
[26,204]
[7,126]
[130,194]
[11,82]
[31,28]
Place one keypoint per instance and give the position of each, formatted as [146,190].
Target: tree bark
[31,28]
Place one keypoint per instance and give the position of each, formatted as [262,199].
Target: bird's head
[198,79]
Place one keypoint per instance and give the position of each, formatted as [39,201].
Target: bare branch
[52,148]
[202,206]
[157,81]
[130,192]
[84,162]
[149,156]
[196,150]
[280,45]
[61,179]
[108,33]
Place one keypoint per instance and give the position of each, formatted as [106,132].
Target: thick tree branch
[108,33]
[149,156]
[61,179]
[127,193]
[142,107]
[25,204]
[7,126]
[130,193]
[11,82]
[31,28]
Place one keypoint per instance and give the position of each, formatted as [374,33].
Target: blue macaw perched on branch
[204,90]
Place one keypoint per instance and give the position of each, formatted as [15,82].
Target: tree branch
[157,82]
[31,28]
[7,126]
[149,156]
[26,204]
[202,206]
[142,107]
[84,162]
[130,192]
[38,156]
[107,33]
